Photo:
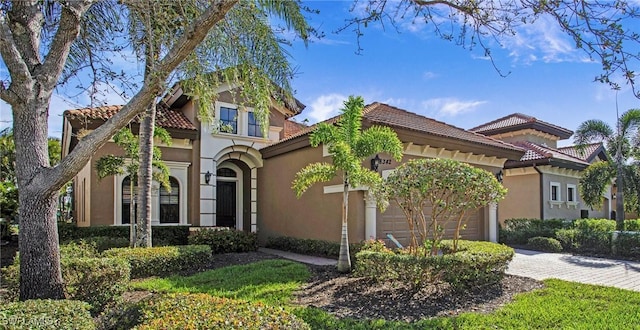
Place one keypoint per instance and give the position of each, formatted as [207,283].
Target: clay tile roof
[386,115]
[291,128]
[166,118]
[518,121]
[538,152]
[587,154]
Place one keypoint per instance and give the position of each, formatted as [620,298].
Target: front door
[226,204]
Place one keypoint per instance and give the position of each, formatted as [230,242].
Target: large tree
[36,39]
[619,143]
[348,146]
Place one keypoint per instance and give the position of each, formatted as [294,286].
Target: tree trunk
[40,272]
[619,196]
[145,179]
[344,259]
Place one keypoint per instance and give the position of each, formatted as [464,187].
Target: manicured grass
[560,305]
[270,281]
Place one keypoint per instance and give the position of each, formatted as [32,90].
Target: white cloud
[325,107]
[450,107]
[429,75]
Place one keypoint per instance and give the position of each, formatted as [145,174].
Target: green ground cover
[560,305]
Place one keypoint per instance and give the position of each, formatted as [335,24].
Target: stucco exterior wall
[562,210]
[315,215]
[523,197]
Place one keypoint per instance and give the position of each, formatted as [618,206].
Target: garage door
[393,221]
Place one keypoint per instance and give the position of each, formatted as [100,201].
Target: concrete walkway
[539,265]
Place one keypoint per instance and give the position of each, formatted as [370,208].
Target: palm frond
[377,139]
[312,173]
[592,130]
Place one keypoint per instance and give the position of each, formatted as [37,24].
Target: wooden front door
[226,204]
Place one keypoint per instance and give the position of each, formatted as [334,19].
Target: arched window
[226,172]
[170,202]
[126,199]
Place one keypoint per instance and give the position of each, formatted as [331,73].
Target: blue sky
[415,70]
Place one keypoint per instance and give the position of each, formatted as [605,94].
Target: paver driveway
[539,265]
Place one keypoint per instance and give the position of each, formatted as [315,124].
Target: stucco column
[493,222]
[369,216]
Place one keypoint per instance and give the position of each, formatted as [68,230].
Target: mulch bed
[345,295]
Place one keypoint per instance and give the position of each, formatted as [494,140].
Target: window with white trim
[229,120]
[571,193]
[255,129]
[554,194]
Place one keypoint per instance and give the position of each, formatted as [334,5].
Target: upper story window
[254,126]
[555,192]
[571,193]
[229,119]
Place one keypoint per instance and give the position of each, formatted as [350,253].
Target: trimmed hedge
[162,260]
[46,314]
[225,240]
[519,231]
[545,244]
[203,311]
[475,263]
[632,225]
[97,281]
[313,247]
[161,235]
[594,235]
[627,244]
[568,238]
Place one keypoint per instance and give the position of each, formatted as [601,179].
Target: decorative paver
[608,272]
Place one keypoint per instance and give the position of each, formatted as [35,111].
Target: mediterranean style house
[242,179]
[544,182]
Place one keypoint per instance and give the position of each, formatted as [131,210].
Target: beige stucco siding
[315,215]
[523,197]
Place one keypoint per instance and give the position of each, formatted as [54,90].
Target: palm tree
[348,145]
[618,143]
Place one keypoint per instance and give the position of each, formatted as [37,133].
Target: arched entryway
[233,195]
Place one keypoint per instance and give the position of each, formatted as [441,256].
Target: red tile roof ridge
[165,117]
[521,116]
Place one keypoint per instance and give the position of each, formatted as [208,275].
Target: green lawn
[560,305]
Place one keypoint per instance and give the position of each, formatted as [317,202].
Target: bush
[46,314]
[594,235]
[160,235]
[519,231]
[162,260]
[311,246]
[97,281]
[225,240]
[627,244]
[475,263]
[568,239]
[632,225]
[202,311]
[545,244]
[78,249]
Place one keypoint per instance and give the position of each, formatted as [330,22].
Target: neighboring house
[243,180]
[317,213]
[544,183]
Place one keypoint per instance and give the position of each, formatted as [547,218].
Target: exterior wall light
[207,177]
[375,162]
[499,176]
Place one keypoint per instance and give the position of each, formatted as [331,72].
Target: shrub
[627,244]
[311,246]
[97,281]
[78,249]
[103,243]
[545,244]
[518,231]
[594,235]
[202,311]
[632,225]
[225,240]
[475,263]
[169,235]
[568,239]
[46,314]
[161,260]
